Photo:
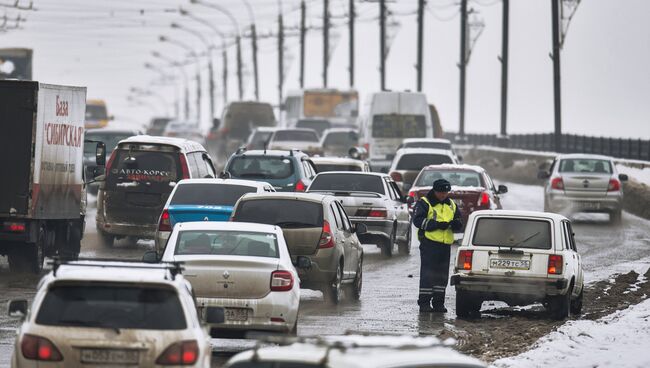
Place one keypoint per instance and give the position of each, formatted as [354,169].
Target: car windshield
[417,161]
[274,212]
[435,145]
[348,183]
[347,139]
[512,233]
[261,167]
[295,135]
[112,305]
[109,139]
[227,243]
[461,178]
[398,126]
[209,194]
[592,166]
[337,167]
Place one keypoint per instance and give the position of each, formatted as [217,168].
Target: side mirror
[543,174]
[224,175]
[150,256]
[17,308]
[410,200]
[360,229]
[623,177]
[303,262]
[215,315]
[502,189]
[100,154]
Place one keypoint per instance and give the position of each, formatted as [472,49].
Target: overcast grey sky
[605,61]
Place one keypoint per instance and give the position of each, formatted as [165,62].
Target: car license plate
[590,205]
[515,264]
[236,314]
[112,356]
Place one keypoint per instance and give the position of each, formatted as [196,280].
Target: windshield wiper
[526,239]
[78,322]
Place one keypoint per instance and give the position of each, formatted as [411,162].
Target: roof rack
[174,268]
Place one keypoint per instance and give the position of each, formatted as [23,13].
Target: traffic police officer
[437,217]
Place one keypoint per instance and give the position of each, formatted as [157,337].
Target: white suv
[110,313]
[518,257]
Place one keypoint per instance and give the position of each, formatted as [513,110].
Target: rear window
[132,168]
[334,167]
[586,166]
[233,243]
[112,306]
[210,194]
[515,233]
[457,178]
[295,135]
[347,139]
[261,167]
[435,145]
[348,183]
[419,160]
[274,212]
[398,126]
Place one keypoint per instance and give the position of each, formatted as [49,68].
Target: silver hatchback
[583,183]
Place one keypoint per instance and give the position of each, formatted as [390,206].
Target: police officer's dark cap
[441,185]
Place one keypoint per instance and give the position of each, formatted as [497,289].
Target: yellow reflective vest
[444,213]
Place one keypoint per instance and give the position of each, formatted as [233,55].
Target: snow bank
[617,340]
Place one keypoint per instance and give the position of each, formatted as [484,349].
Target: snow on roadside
[617,340]
[640,175]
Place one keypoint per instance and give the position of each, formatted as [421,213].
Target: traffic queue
[233,248]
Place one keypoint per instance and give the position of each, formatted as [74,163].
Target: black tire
[73,246]
[559,306]
[333,290]
[106,240]
[404,247]
[616,217]
[25,258]
[467,306]
[388,245]
[576,304]
[354,289]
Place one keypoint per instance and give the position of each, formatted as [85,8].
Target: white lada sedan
[241,274]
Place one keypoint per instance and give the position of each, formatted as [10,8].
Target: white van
[389,117]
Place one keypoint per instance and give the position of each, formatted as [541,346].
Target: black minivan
[140,175]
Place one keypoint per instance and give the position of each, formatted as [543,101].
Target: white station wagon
[241,274]
[518,257]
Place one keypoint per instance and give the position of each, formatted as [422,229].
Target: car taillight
[184,168]
[373,212]
[366,146]
[281,280]
[484,200]
[15,227]
[557,183]
[396,176]
[165,223]
[555,264]
[300,186]
[180,353]
[464,261]
[326,239]
[614,185]
[39,348]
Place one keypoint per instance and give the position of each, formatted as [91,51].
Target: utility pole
[224,54]
[211,87]
[255,75]
[557,100]
[382,44]
[326,39]
[463,64]
[351,51]
[303,32]
[239,64]
[280,60]
[504,71]
[420,43]
[198,94]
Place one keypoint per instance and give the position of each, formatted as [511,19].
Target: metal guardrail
[627,148]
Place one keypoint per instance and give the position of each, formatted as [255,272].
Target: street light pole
[254,45]
[303,32]
[382,45]
[557,98]
[326,40]
[420,43]
[462,65]
[198,71]
[351,42]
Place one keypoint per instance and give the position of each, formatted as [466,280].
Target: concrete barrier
[520,166]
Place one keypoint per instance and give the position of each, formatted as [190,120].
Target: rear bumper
[559,202]
[499,286]
[121,229]
[282,305]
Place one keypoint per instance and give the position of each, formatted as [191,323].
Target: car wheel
[404,247]
[333,289]
[576,304]
[467,306]
[26,258]
[560,306]
[106,240]
[616,217]
[354,289]
[387,246]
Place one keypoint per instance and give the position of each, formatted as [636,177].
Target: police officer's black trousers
[434,272]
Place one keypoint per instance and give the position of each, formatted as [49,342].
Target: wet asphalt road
[388,301]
